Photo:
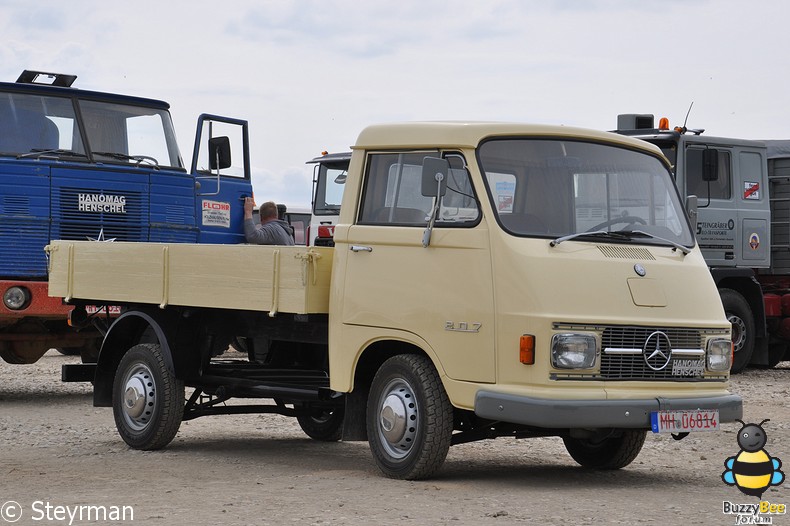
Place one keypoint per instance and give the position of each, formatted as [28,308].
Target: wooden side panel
[248,277]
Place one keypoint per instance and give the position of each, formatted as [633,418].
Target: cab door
[222,178]
[440,294]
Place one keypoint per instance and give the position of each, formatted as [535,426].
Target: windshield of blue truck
[553,188]
[116,133]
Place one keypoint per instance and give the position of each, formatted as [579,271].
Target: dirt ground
[59,454]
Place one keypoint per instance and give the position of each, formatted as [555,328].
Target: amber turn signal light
[526,349]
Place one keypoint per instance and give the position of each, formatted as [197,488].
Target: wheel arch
[377,351]
[369,360]
[131,328]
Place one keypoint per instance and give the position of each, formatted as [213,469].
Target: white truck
[486,280]
[330,171]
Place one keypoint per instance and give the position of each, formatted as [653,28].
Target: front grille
[622,356]
[622,366]
[635,337]
[121,223]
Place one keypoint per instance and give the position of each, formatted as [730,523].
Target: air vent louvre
[621,252]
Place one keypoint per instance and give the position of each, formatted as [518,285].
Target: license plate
[684,421]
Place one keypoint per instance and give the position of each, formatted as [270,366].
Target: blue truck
[88,165]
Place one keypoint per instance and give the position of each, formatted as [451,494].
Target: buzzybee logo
[752,470]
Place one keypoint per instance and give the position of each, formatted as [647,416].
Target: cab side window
[392,193]
[719,189]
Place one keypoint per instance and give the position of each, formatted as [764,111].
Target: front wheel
[613,452]
[147,399]
[409,418]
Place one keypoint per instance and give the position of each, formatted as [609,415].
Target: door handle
[360,248]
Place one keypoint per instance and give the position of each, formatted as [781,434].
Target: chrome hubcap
[398,418]
[139,397]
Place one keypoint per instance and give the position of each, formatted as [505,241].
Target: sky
[309,75]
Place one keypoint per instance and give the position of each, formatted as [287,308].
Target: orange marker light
[663,123]
[526,349]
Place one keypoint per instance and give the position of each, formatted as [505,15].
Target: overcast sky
[309,75]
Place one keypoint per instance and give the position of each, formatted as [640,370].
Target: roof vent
[47,79]
[636,121]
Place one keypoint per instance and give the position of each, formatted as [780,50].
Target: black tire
[409,418]
[740,316]
[68,351]
[324,426]
[147,400]
[613,452]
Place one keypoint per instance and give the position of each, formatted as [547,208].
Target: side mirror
[219,153]
[710,165]
[434,176]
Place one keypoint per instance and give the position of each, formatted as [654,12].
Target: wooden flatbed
[292,279]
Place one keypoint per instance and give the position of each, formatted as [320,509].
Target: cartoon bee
[752,470]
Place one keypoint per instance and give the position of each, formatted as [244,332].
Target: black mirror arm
[426,235]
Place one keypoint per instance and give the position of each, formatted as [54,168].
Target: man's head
[268,211]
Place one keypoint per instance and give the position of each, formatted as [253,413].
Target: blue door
[221,186]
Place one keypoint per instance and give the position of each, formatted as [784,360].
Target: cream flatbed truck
[487,280]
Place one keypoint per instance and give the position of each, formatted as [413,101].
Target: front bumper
[569,414]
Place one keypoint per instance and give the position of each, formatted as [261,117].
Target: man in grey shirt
[271,230]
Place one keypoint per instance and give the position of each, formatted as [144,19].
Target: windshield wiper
[621,234]
[675,245]
[594,233]
[125,157]
[37,152]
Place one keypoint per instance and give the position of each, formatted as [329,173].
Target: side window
[459,204]
[392,192]
[720,189]
[751,170]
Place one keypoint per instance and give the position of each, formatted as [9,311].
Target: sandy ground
[59,454]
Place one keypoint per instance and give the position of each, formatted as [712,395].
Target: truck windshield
[552,188]
[32,123]
[116,133]
[130,134]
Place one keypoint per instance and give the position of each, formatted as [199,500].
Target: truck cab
[87,165]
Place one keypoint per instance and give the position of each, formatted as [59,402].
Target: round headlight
[16,298]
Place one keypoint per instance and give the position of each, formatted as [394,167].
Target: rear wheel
[739,314]
[325,425]
[147,399]
[612,452]
[409,418]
